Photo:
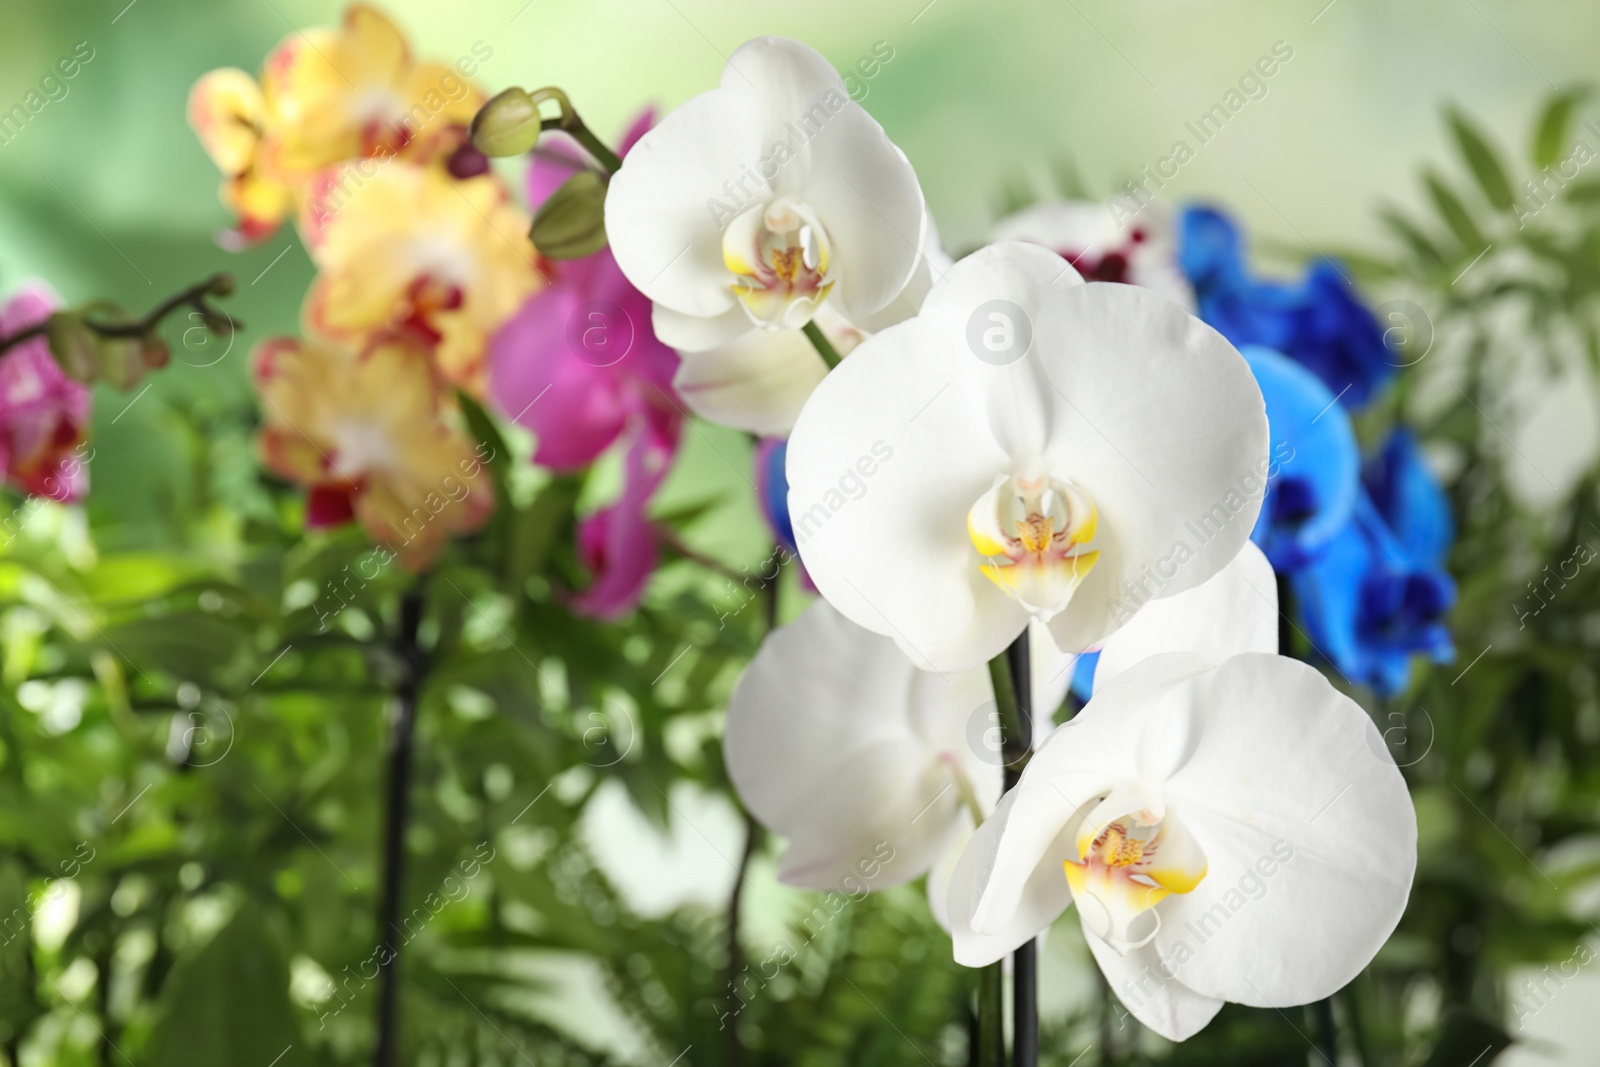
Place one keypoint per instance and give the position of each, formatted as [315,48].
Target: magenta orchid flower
[44,415]
[619,544]
[580,366]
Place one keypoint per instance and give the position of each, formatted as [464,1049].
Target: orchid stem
[194,296]
[413,666]
[991,1034]
[1013,696]
[752,840]
[820,342]
[1327,1029]
[571,123]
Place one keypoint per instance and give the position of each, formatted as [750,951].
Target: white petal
[1145,408]
[1052,678]
[662,216]
[757,383]
[932,266]
[1160,421]
[1149,992]
[785,77]
[1040,893]
[1306,824]
[1063,225]
[837,742]
[866,193]
[696,333]
[1234,611]
[884,462]
[943,870]
[1092,229]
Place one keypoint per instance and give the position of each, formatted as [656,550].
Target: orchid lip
[1033,531]
[1128,861]
[780,256]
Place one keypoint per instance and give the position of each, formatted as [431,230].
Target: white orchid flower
[759,381]
[1055,450]
[869,767]
[1105,245]
[764,200]
[1230,826]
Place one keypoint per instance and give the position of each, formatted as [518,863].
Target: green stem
[194,296]
[991,1031]
[570,122]
[1011,727]
[584,136]
[820,342]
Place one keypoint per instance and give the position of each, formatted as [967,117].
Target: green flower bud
[74,345]
[508,125]
[572,222]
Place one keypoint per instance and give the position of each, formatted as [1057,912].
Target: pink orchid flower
[619,544]
[580,366]
[44,415]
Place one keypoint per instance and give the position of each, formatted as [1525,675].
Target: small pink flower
[619,544]
[44,415]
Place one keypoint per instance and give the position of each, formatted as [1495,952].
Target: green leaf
[1482,160]
[1584,192]
[488,436]
[1467,1038]
[230,999]
[1426,253]
[1550,139]
[1454,214]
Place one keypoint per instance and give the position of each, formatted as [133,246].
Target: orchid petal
[1234,611]
[838,742]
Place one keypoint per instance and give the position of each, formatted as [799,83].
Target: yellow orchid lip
[1126,864]
[1032,531]
[779,256]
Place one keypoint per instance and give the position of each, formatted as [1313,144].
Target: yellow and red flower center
[779,256]
[1032,531]
[1128,865]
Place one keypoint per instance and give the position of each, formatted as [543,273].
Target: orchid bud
[508,125]
[571,223]
[73,345]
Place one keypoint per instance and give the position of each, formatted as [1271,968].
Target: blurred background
[105,192]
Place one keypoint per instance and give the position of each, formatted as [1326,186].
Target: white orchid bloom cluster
[1075,462]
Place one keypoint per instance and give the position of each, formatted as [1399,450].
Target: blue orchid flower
[1316,464]
[772,490]
[772,493]
[1379,593]
[1318,322]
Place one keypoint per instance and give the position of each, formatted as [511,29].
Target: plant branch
[572,124]
[195,296]
[413,668]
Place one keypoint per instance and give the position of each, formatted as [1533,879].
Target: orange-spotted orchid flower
[371,437]
[1228,825]
[1060,450]
[412,249]
[325,97]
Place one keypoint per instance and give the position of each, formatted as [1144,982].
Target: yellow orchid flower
[326,96]
[411,249]
[373,438]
